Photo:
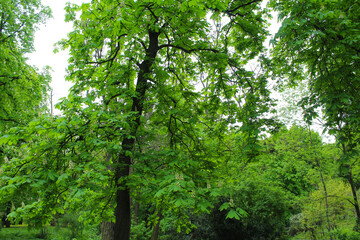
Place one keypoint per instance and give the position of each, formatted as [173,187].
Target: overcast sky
[54,30]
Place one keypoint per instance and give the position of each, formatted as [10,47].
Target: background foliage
[167,133]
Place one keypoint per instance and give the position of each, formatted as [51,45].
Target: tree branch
[117,49]
[241,6]
[8,120]
[13,34]
[187,50]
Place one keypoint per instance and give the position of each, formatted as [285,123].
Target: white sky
[46,36]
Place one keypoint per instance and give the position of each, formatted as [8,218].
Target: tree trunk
[136,211]
[355,203]
[326,201]
[5,221]
[329,227]
[156,229]
[122,209]
[353,190]
[107,230]
[122,167]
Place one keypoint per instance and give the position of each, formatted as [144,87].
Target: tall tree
[132,54]
[149,72]
[23,89]
[319,40]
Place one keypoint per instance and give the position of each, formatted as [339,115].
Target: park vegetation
[170,132]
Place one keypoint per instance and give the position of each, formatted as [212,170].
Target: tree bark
[136,211]
[107,230]
[122,167]
[122,209]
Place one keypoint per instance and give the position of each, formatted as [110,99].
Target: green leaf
[224,206]
[233,214]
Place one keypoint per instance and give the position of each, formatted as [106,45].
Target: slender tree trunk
[326,202]
[122,167]
[136,211]
[51,102]
[324,187]
[107,230]
[353,190]
[355,202]
[156,228]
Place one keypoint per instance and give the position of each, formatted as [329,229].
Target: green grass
[21,232]
[18,233]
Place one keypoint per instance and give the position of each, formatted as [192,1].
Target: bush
[345,234]
[140,231]
[70,221]
[267,210]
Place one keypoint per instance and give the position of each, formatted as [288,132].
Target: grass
[21,232]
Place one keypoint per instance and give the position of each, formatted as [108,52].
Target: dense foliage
[23,89]
[319,41]
[167,134]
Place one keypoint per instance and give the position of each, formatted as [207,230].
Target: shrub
[140,231]
[71,221]
[345,234]
[267,210]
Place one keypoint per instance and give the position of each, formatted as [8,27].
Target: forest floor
[21,232]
